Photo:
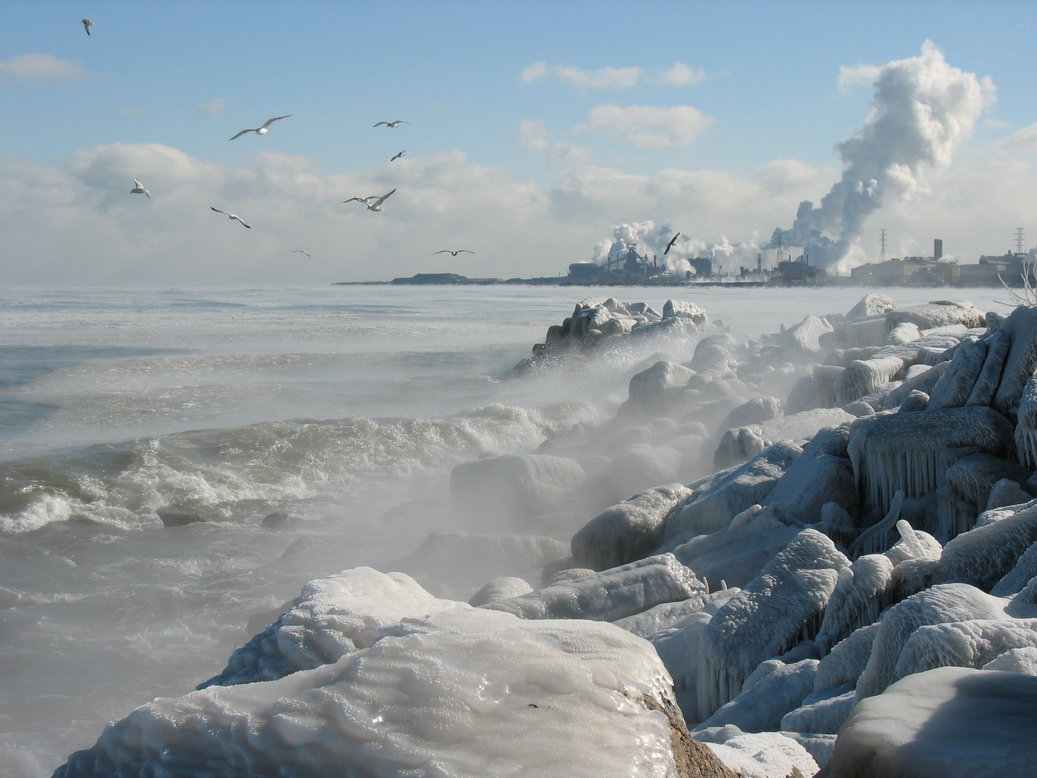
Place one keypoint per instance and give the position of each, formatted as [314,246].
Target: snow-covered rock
[627,531]
[950,722]
[440,696]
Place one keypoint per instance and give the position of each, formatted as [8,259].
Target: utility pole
[882,245]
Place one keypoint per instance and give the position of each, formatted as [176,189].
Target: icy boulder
[332,617]
[873,304]
[950,722]
[803,340]
[820,475]
[740,443]
[965,643]
[610,594]
[941,604]
[761,706]
[515,485]
[938,313]
[627,531]
[758,754]
[500,589]
[769,616]
[468,692]
[909,452]
[729,493]
[659,387]
[1020,361]
[986,554]
[677,309]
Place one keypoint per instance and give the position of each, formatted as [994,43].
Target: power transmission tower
[1018,240]
[882,245]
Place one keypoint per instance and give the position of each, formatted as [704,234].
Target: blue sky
[534,129]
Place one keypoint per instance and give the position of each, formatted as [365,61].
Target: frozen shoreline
[759,586]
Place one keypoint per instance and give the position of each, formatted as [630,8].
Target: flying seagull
[453,252]
[138,188]
[233,216]
[670,244]
[87,24]
[373,202]
[301,251]
[396,123]
[261,130]
[397,156]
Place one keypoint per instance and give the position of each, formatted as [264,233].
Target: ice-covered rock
[659,387]
[821,712]
[500,589]
[515,485]
[443,696]
[956,384]
[872,304]
[761,707]
[803,340]
[984,555]
[740,443]
[776,609]
[843,665]
[938,313]
[950,722]
[1016,579]
[610,594]
[332,617]
[627,531]
[655,620]
[909,452]
[821,474]
[1026,424]
[964,643]
[758,754]
[679,309]
[729,493]
[1020,361]
[1015,660]
[969,482]
[939,604]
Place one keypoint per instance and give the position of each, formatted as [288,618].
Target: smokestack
[937,248]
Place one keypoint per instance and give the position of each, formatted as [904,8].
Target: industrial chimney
[937,249]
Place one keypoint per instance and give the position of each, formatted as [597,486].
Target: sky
[535,134]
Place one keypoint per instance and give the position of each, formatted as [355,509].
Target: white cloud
[680,75]
[40,67]
[858,75]
[533,136]
[583,79]
[647,126]
[1021,140]
[212,108]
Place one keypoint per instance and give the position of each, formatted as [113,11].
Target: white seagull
[301,251]
[373,202]
[453,252]
[261,130]
[87,24]
[138,188]
[397,156]
[395,123]
[233,216]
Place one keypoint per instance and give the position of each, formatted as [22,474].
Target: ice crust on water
[798,590]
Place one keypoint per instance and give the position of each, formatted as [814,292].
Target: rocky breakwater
[814,553]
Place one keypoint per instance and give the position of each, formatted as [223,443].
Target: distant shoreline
[454,279]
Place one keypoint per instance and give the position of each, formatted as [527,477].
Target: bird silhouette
[397,156]
[260,130]
[453,252]
[395,123]
[87,24]
[373,202]
[670,244]
[138,188]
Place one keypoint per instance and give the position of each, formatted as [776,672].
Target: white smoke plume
[650,239]
[921,112]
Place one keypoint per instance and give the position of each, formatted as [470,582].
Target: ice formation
[874,526]
[952,722]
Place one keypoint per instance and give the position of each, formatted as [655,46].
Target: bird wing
[466,251]
[138,184]
[384,197]
[268,122]
[218,210]
[238,220]
[379,124]
[442,251]
[232,137]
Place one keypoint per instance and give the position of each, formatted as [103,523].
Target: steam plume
[921,111]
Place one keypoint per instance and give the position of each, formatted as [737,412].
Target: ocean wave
[238,474]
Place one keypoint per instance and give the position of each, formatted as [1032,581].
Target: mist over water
[342,408]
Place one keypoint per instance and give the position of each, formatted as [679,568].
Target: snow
[950,722]
[758,755]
